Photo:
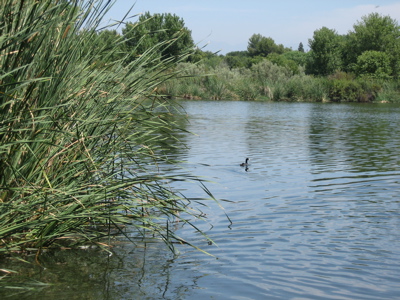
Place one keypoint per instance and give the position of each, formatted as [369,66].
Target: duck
[245,164]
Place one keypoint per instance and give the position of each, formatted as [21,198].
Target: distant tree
[238,59]
[234,62]
[200,55]
[375,64]
[262,46]
[281,60]
[374,33]
[211,60]
[301,47]
[152,30]
[210,54]
[196,56]
[238,53]
[325,52]
[297,56]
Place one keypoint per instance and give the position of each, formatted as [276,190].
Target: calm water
[315,216]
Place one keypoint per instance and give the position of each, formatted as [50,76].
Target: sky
[227,25]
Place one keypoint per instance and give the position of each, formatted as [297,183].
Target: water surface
[316,215]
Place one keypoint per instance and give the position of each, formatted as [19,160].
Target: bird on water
[245,164]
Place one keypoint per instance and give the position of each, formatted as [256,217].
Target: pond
[316,214]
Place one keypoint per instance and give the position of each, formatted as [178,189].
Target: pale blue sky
[227,25]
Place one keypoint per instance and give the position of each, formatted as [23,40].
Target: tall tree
[262,46]
[374,33]
[301,47]
[325,52]
[166,31]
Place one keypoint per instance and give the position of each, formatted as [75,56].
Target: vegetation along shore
[360,66]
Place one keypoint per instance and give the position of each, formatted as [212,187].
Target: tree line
[370,51]
[372,48]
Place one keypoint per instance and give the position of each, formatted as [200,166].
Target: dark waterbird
[245,164]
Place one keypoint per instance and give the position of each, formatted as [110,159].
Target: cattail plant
[81,142]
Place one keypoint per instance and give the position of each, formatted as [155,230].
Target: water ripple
[316,215]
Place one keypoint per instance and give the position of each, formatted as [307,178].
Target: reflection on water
[315,216]
[131,272]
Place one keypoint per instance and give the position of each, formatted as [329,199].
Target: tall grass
[390,92]
[266,80]
[79,144]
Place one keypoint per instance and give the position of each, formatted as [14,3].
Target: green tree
[211,60]
[155,30]
[375,64]
[374,33]
[326,51]
[262,46]
[301,47]
[238,59]
[299,57]
[281,60]
[238,53]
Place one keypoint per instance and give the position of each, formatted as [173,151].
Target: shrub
[266,70]
[346,87]
[374,64]
[246,90]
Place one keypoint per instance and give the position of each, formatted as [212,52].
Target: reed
[304,88]
[80,144]
[213,78]
[389,92]
[247,90]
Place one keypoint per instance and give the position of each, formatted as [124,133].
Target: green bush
[346,87]
[268,71]
[344,90]
[247,90]
[374,64]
